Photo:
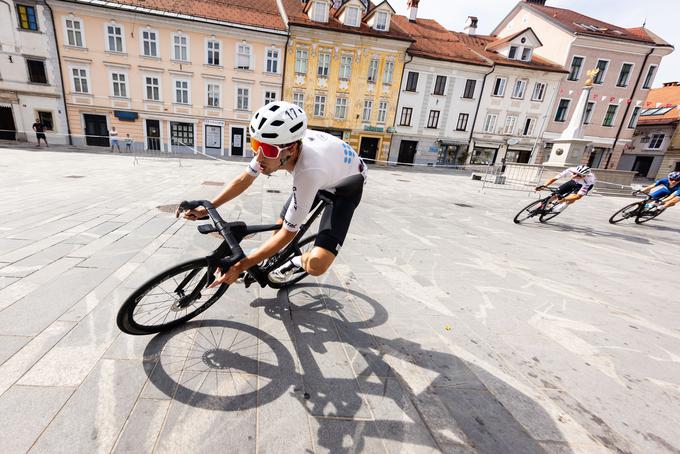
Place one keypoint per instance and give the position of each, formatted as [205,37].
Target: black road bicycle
[543,208]
[180,293]
[642,211]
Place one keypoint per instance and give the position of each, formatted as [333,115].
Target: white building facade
[30,80]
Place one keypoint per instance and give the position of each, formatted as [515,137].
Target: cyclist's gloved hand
[538,188]
[195,214]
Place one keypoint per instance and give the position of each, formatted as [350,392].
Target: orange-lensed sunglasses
[268,150]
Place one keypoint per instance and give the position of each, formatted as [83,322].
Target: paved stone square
[442,326]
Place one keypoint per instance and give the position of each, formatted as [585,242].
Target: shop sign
[373,128]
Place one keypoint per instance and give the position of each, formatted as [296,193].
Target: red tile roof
[668,95]
[296,16]
[480,43]
[255,13]
[571,19]
[436,42]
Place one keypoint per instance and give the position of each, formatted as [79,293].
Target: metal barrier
[511,178]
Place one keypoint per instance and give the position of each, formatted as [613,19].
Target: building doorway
[596,156]
[368,149]
[407,151]
[237,141]
[153,135]
[642,165]
[8,130]
[96,130]
[213,139]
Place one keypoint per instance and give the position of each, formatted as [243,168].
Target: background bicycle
[543,208]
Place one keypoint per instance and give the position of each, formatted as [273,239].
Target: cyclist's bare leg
[317,261]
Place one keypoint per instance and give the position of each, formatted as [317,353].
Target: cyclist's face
[271,165]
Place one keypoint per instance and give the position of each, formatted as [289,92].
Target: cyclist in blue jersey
[665,190]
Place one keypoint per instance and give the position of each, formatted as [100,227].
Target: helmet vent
[277,122]
[296,127]
[262,123]
[274,107]
[270,135]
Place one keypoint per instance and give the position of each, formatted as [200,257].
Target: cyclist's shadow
[347,382]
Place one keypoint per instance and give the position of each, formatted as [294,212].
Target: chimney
[535,2]
[412,10]
[471,25]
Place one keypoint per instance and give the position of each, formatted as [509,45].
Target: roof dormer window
[382,21]
[526,54]
[352,16]
[522,53]
[320,12]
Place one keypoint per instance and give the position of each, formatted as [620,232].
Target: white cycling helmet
[279,123]
[583,170]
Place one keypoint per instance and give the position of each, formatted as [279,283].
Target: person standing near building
[39,128]
[128,143]
[113,134]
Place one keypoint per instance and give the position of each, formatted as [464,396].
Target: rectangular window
[610,115]
[602,65]
[406,113]
[46,119]
[324,64]
[520,88]
[576,66]
[588,116]
[74,33]
[562,109]
[649,79]
[299,100]
[352,17]
[243,56]
[153,90]
[301,57]
[149,43]
[180,47]
[269,96]
[373,70]
[382,111]
[529,124]
[462,122]
[272,61]
[469,91]
[119,84]
[490,123]
[214,53]
[526,54]
[368,110]
[433,119]
[412,81]
[243,98]
[80,84]
[499,86]
[381,21]
[320,13]
[181,134]
[114,40]
[182,91]
[27,20]
[440,85]
[539,92]
[213,95]
[624,75]
[345,67]
[388,72]
[319,106]
[341,108]
[634,118]
[513,52]
[36,71]
[510,122]
[656,141]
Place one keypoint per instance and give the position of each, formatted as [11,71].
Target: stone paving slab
[441,327]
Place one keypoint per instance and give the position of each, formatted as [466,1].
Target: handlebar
[546,188]
[222,226]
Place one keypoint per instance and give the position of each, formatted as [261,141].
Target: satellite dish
[512,141]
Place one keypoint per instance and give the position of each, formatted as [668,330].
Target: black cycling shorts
[337,217]
[571,187]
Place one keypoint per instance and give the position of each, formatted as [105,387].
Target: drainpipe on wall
[625,113]
[61,74]
[401,83]
[474,120]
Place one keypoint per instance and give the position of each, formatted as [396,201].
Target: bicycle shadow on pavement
[591,232]
[351,382]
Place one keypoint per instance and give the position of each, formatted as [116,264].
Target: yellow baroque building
[343,66]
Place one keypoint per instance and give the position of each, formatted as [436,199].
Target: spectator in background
[113,134]
[39,128]
[128,143]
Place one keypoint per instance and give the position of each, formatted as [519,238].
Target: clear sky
[662,16]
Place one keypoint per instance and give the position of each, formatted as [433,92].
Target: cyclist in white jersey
[581,181]
[317,161]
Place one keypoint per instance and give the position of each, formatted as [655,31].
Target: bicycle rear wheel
[169,299]
[626,212]
[531,210]
[545,217]
[306,244]
[646,216]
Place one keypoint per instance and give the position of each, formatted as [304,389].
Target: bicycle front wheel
[529,211]
[169,299]
[627,212]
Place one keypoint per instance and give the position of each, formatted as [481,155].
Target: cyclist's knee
[318,261]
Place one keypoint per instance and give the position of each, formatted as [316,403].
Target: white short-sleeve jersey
[324,162]
[587,182]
